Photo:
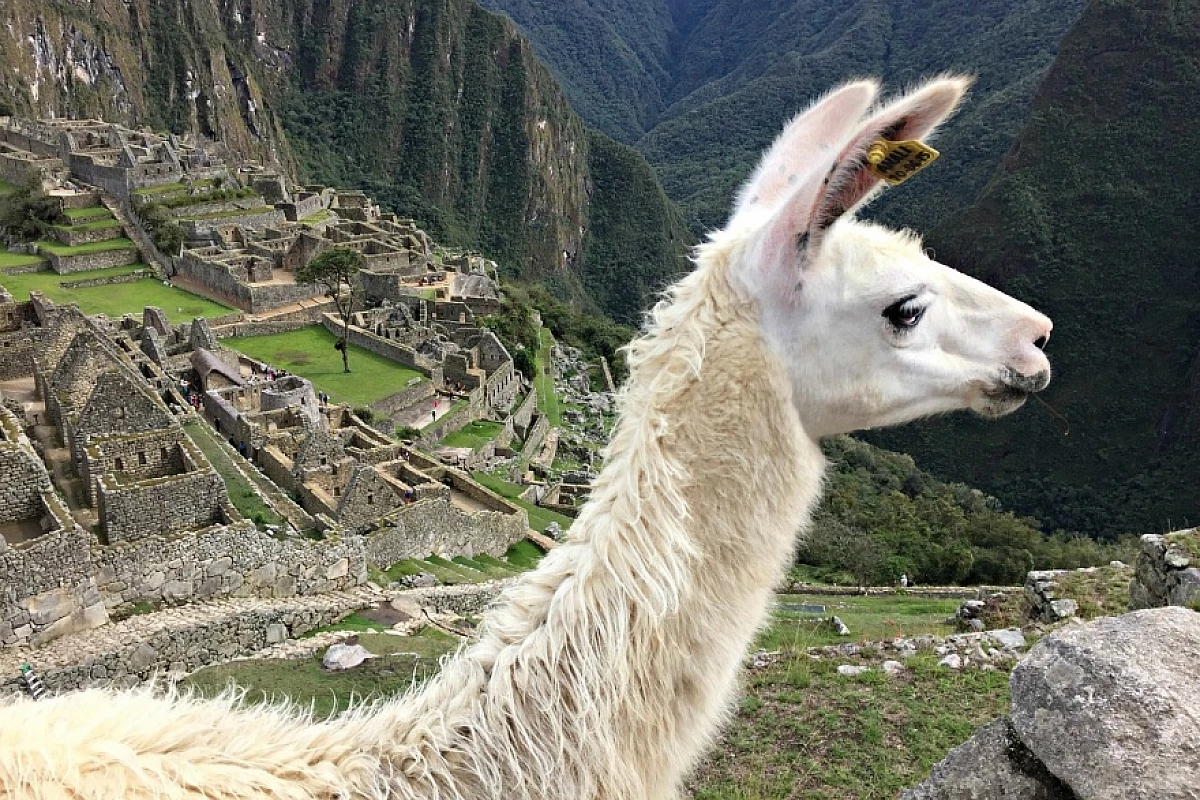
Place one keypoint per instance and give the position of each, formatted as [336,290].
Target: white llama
[606,672]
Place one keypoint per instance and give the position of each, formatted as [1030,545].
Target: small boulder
[952,661]
[893,667]
[839,626]
[852,670]
[345,656]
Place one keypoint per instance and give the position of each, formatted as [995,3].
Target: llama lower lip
[1001,400]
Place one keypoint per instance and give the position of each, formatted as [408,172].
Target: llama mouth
[1002,400]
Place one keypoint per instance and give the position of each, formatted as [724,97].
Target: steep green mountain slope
[1092,219]
[437,107]
[612,58]
[736,71]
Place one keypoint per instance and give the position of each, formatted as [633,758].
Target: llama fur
[602,675]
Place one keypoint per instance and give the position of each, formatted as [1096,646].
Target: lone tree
[334,269]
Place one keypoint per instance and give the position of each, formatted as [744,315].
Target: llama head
[873,331]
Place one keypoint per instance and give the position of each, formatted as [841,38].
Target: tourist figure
[904,581]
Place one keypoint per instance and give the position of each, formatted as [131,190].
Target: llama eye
[904,314]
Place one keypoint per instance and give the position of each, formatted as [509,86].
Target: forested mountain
[437,107]
[1091,218]
[701,86]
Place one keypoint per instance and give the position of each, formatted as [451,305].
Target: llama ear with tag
[888,147]
[803,146]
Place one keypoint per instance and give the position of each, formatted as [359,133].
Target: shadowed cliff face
[437,107]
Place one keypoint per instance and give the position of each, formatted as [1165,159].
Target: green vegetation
[210,196]
[27,213]
[305,682]
[802,730]
[8,188]
[63,250]
[882,517]
[241,492]
[868,618]
[87,214]
[1083,222]
[8,260]
[539,518]
[169,188]
[378,119]
[162,228]
[1102,593]
[334,269]
[474,436]
[309,352]
[671,76]
[127,298]
[88,225]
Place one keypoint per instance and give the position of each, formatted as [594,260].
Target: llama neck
[605,672]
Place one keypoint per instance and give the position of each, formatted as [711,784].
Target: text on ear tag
[896,162]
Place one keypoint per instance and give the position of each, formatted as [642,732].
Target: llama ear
[850,181]
[805,143]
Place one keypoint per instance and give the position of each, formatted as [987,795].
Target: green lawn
[8,188]
[548,400]
[475,435]
[115,300]
[241,493]
[90,225]
[59,249]
[309,353]
[539,517]
[804,731]
[18,260]
[91,212]
[402,660]
[868,618]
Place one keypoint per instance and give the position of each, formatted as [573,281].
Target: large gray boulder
[1112,708]
[991,765]
[1106,710]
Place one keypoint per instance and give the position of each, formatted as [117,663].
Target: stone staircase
[133,228]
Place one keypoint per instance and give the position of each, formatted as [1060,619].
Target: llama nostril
[1040,342]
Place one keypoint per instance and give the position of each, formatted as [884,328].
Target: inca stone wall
[139,649]
[102,260]
[437,526]
[160,505]
[1167,572]
[48,589]
[230,561]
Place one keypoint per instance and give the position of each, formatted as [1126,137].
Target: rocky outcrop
[1100,711]
[1167,572]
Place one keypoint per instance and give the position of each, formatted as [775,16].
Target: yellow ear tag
[896,162]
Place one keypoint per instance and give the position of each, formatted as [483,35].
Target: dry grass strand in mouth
[1066,422]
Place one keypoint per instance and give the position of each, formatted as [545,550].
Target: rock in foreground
[1101,711]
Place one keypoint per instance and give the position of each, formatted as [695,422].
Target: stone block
[276,632]
[142,658]
[51,606]
[339,569]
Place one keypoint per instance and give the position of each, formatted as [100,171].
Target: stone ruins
[145,463]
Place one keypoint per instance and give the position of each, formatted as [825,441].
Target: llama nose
[1041,328]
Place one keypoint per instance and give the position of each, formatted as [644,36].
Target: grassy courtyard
[475,435]
[309,353]
[113,300]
